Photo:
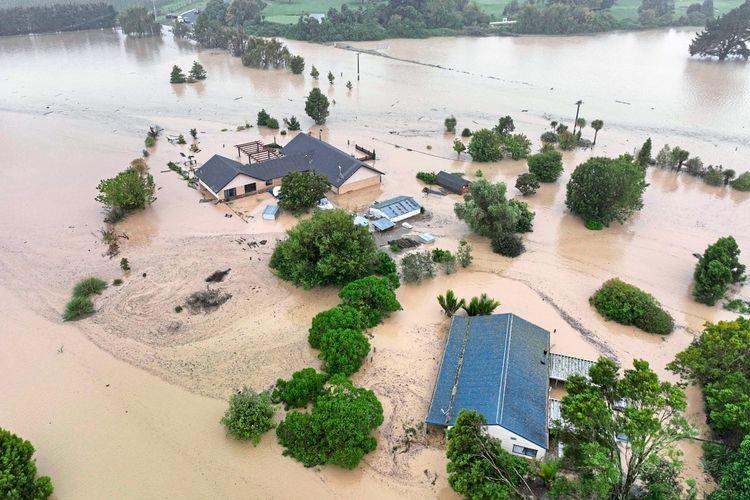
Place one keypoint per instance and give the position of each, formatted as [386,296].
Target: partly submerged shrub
[508,244]
[249,415]
[89,286]
[629,305]
[78,307]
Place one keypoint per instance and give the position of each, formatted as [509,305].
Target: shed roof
[382,224]
[451,182]
[497,366]
[562,367]
[397,206]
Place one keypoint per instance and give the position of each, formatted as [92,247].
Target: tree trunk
[596,132]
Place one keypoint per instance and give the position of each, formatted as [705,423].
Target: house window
[269,182]
[522,450]
[230,193]
[250,188]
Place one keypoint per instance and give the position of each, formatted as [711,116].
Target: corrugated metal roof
[562,367]
[397,206]
[495,365]
[451,182]
[382,224]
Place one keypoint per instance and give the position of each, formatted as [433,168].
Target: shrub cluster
[249,415]
[629,305]
[80,304]
[427,177]
[18,479]
[304,386]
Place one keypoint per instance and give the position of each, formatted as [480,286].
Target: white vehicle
[325,204]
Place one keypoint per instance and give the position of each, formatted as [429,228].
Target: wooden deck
[562,367]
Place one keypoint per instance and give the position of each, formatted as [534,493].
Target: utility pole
[357,66]
[578,108]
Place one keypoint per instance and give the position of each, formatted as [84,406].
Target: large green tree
[373,297]
[338,430]
[249,415]
[343,351]
[242,12]
[606,190]
[18,479]
[717,268]
[128,190]
[139,21]
[725,36]
[304,386]
[300,191]
[485,145]
[600,411]
[327,249]
[487,210]
[546,165]
[337,318]
[316,106]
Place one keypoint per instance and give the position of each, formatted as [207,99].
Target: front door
[230,193]
[250,188]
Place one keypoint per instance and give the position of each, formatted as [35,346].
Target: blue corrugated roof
[382,224]
[395,207]
[493,365]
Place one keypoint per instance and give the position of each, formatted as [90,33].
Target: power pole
[357,66]
[578,108]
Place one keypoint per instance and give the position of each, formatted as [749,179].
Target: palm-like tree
[481,306]
[578,108]
[450,303]
[597,126]
[580,122]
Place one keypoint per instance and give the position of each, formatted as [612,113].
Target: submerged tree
[314,73]
[316,106]
[725,36]
[331,78]
[717,268]
[300,191]
[597,125]
[177,76]
[297,64]
[197,72]
[18,479]
[644,154]
[449,303]
[139,21]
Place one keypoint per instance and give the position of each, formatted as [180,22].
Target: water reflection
[143,49]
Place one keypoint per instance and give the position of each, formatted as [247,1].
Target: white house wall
[362,178]
[508,439]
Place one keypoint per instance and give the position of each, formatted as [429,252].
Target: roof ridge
[454,389]
[506,358]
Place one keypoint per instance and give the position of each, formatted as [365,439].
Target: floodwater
[127,403]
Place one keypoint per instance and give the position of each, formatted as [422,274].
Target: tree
[458,147]
[516,146]
[343,351]
[297,64]
[177,76]
[546,166]
[243,12]
[527,184]
[717,268]
[567,140]
[742,183]
[629,305]
[580,123]
[597,125]
[548,138]
[292,123]
[128,190]
[341,317]
[654,13]
[449,303]
[714,175]
[466,132]
[331,78]
[507,244]
[337,430]
[304,386]
[735,475]
[18,480]
[314,73]
[594,419]
[197,72]
[504,126]
[450,124]
[605,190]
[478,466]
[679,156]
[139,21]
[216,10]
[328,249]
[373,297]
[417,266]
[463,254]
[300,191]
[694,167]
[316,106]
[725,36]
[644,154]
[728,174]
[481,306]
[249,415]
[485,145]
[488,212]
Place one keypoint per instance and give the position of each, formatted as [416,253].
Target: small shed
[396,209]
[271,212]
[452,182]
[361,221]
[382,224]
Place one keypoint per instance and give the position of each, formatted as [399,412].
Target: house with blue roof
[226,179]
[496,365]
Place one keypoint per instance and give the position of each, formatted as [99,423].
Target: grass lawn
[288,11]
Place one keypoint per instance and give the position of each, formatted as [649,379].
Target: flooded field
[127,403]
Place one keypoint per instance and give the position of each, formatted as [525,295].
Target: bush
[341,317]
[567,140]
[450,124]
[150,142]
[125,264]
[606,189]
[593,225]
[485,145]
[694,167]
[373,297]
[337,430]
[427,177]
[300,191]
[116,282]
[742,183]
[713,176]
[89,286]
[549,137]
[466,133]
[546,166]
[463,254]
[343,351]
[440,256]
[417,266]
[18,480]
[304,386]
[78,307]
[178,309]
[328,249]
[508,244]
[384,265]
[717,268]
[297,64]
[527,184]
[516,146]
[263,118]
[128,190]
[272,123]
[629,305]
[249,415]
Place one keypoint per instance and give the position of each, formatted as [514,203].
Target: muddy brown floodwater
[127,403]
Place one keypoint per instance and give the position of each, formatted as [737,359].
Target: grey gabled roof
[451,182]
[300,154]
[218,171]
[496,365]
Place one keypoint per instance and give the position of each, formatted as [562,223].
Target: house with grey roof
[225,178]
[498,366]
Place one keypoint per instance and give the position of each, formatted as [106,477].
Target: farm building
[226,179]
[396,209]
[496,365]
[451,182]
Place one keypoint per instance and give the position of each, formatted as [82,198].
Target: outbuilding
[452,182]
[396,209]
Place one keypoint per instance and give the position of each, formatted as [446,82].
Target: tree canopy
[249,415]
[717,268]
[51,18]
[485,145]
[546,165]
[341,317]
[343,351]
[304,386]
[300,191]
[629,305]
[725,36]
[373,297]
[488,212]
[139,21]
[316,106]
[606,190]
[128,190]
[328,249]
[18,479]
